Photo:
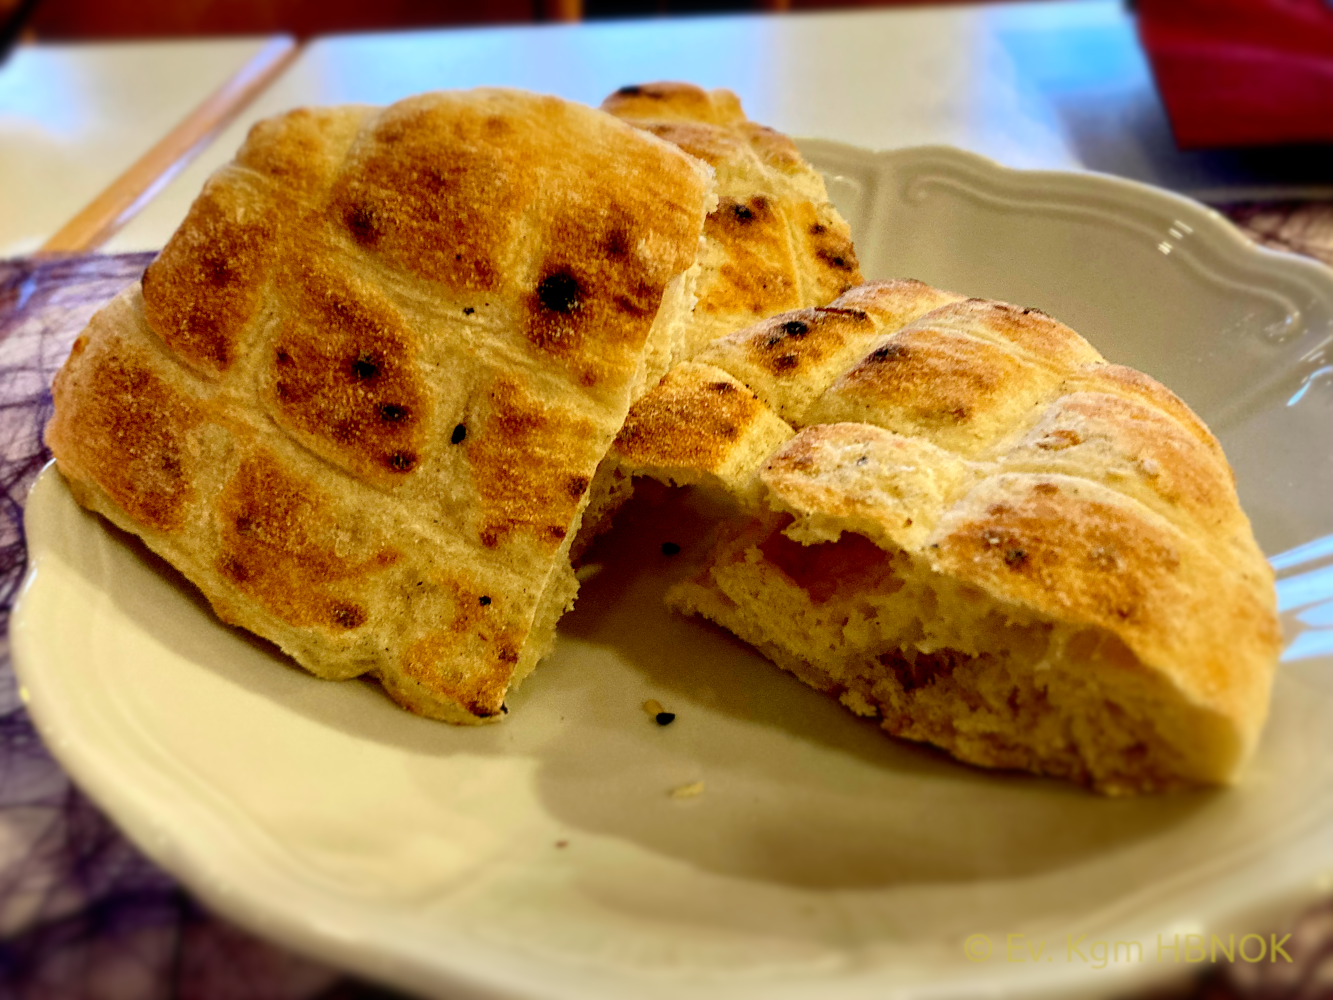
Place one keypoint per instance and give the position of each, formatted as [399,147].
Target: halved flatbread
[981,533]
[360,396]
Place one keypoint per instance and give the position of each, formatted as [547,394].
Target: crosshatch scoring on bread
[398,364]
[360,397]
[774,242]
[974,529]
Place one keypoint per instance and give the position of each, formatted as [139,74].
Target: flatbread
[989,538]
[686,430]
[359,398]
[775,241]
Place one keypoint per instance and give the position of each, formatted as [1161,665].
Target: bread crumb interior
[942,662]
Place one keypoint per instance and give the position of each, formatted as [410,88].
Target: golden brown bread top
[786,361]
[675,101]
[791,359]
[962,375]
[699,423]
[774,242]
[364,389]
[141,419]
[710,124]
[997,446]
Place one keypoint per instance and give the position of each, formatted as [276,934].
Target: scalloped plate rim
[475,975]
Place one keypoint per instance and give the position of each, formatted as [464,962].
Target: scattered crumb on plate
[587,571]
[688,791]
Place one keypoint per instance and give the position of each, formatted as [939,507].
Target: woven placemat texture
[84,915]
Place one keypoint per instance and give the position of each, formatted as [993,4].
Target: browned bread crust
[775,241]
[785,363]
[698,424]
[362,393]
[993,540]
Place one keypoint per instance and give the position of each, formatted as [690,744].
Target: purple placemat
[84,915]
[1300,227]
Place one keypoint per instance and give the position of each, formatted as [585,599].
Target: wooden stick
[561,10]
[101,218]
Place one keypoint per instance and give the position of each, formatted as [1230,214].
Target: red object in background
[1242,72]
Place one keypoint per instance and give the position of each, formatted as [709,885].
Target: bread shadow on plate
[795,790]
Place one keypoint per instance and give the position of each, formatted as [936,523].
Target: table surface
[1060,85]
[74,117]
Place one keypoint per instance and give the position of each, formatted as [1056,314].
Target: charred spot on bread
[860,315]
[888,352]
[745,213]
[200,297]
[363,222]
[836,259]
[564,308]
[365,367]
[559,292]
[234,569]
[348,616]
[617,244]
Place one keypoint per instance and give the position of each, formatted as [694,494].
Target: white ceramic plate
[544,857]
